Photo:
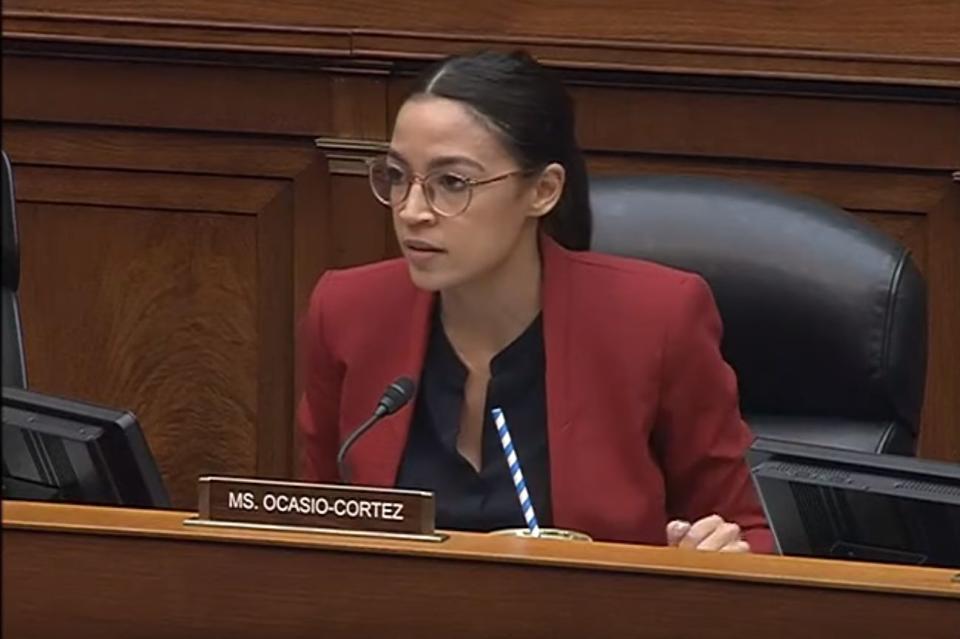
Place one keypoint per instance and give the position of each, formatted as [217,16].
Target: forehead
[429,127]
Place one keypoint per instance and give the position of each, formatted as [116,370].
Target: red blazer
[643,423]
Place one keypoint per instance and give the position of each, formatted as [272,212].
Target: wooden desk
[128,573]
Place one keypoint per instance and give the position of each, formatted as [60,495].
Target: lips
[421,246]
[421,254]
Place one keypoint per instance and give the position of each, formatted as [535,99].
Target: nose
[416,209]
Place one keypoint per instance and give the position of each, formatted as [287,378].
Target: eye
[452,183]
[395,175]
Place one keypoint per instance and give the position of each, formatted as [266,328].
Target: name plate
[329,508]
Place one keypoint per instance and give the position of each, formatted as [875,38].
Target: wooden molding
[187,34]
[659,57]
[366,46]
[349,157]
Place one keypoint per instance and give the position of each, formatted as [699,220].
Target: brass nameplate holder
[264,504]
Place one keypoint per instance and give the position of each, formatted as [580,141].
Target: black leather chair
[824,316]
[14,369]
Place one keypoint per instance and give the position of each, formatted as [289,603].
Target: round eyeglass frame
[421,179]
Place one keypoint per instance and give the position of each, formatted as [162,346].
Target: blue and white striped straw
[514,463]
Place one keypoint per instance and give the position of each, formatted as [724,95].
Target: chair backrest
[824,316]
[14,368]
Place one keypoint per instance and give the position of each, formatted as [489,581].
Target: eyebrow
[444,160]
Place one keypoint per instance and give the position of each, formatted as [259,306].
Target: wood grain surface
[154,311]
[913,28]
[168,579]
[190,128]
[162,271]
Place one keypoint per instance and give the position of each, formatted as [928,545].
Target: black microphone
[398,393]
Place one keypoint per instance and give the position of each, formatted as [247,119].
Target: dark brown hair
[532,112]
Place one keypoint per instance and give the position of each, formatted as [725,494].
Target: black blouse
[484,500]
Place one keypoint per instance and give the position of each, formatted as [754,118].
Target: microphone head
[398,393]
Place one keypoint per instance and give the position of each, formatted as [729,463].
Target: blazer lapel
[558,322]
[556,332]
[378,458]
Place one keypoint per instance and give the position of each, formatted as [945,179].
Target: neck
[484,316]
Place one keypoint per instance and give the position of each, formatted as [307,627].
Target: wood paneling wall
[160,273]
[185,170]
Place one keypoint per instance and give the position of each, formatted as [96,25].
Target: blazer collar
[556,293]
[378,458]
[383,451]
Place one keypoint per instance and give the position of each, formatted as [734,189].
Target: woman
[622,411]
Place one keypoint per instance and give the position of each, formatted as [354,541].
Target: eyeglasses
[447,193]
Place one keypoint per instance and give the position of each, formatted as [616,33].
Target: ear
[547,189]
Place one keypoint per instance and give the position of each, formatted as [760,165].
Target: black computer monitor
[63,450]
[839,504]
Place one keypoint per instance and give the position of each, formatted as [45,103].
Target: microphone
[398,393]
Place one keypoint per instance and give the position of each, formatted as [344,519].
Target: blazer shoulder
[627,274]
[633,297]
[361,289]
[385,272]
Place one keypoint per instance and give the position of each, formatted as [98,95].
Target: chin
[432,280]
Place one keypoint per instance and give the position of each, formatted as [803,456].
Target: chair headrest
[823,314]
[11,246]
